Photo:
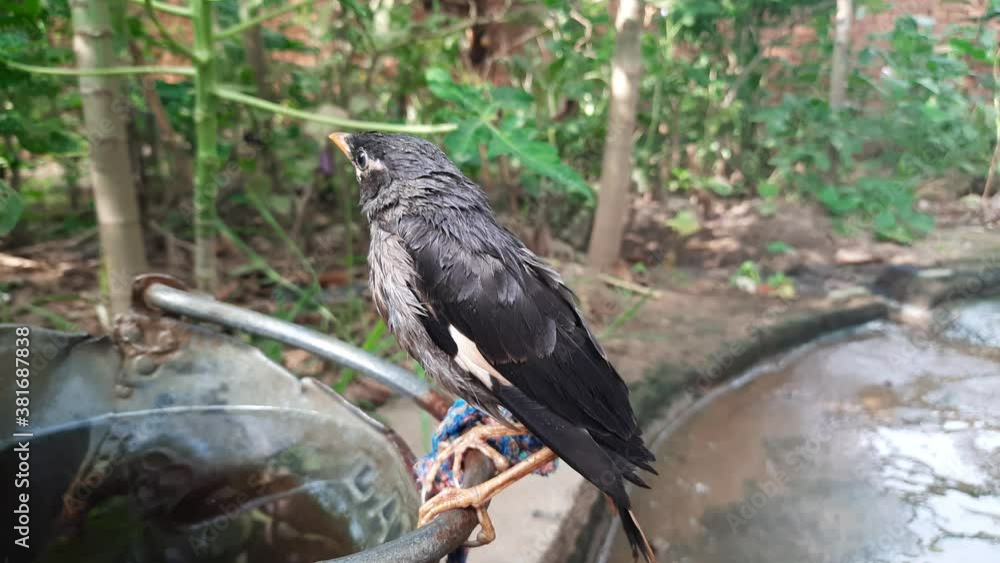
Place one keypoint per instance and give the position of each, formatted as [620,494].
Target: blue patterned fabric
[460,418]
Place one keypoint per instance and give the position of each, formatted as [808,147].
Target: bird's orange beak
[340,139]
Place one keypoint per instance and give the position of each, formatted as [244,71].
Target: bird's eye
[361,160]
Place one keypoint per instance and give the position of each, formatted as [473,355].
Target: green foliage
[915,118]
[33,108]
[748,270]
[748,278]
[497,117]
[11,208]
[779,247]
[930,121]
[780,285]
[685,223]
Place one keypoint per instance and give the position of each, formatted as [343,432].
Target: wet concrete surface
[874,447]
[977,323]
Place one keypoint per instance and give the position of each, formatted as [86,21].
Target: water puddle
[871,448]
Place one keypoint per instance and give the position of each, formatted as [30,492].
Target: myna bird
[492,323]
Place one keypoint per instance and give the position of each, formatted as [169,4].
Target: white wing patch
[471,360]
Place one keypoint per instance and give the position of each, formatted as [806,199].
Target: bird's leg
[479,496]
[473,439]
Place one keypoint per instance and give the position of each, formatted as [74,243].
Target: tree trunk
[616,166]
[841,54]
[110,167]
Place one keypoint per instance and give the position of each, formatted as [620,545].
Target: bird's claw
[478,497]
[448,499]
[474,439]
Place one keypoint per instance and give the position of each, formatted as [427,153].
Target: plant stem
[234,96]
[168,8]
[207,156]
[623,318]
[106,71]
[165,34]
[259,18]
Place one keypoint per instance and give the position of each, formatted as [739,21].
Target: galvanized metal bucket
[170,441]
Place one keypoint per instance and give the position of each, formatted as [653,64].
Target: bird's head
[395,169]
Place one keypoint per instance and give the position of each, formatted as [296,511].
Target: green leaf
[969,49]
[720,187]
[439,81]
[930,84]
[822,161]
[24,7]
[684,223]
[11,208]
[442,86]
[510,97]
[768,190]
[539,157]
[836,202]
[885,222]
[748,270]
[277,41]
[779,247]
[462,144]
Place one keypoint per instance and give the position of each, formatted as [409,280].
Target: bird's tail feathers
[606,469]
[636,538]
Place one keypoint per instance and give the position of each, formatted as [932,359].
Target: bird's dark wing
[481,284]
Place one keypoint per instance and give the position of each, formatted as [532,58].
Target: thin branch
[240,98]
[588,29]
[153,98]
[260,18]
[105,71]
[630,286]
[168,8]
[165,35]
[180,164]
